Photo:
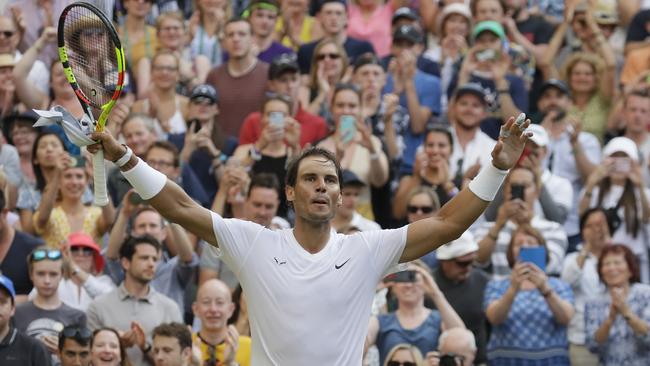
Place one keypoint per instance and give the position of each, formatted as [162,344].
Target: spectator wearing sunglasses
[347,216]
[45,315]
[423,202]
[84,279]
[462,284]
[74,346]
[15,347]
[457,347]
[404,355]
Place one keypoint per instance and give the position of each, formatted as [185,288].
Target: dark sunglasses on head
[414,209]
[397,363]
[76,332]
[42,254]
[331,56]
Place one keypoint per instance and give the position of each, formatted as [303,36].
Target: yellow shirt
[594,116]
[57,228]
[144,47]
[305,32]
[209,352]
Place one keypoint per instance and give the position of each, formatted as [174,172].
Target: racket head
[92,57]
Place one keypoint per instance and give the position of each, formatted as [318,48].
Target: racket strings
[91,55]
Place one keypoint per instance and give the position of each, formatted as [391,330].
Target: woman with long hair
[106,349]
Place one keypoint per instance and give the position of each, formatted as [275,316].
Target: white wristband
[145,180]
[487,183]
[125,158]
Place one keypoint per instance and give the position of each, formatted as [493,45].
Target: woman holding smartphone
[529,312]
[355,146]
[617,186]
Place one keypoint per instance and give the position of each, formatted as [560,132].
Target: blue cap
[6,283]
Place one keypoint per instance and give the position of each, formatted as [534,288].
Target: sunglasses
[397,363]
[42,254]
[331,56]
[85,251]
[76,332]
[7,34]
[414,209]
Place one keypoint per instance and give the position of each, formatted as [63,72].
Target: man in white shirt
[309,290]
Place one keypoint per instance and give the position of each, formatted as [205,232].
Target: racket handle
[99,177]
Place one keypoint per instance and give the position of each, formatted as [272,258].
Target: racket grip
[99,177]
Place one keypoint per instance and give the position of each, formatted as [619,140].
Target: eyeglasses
[76,332]
[85,251]
[165,68]
[42,254]
[398,363]
[414,209]
[331,56]
[7,34]
[463,263]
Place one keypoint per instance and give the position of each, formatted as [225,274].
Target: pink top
[375,29]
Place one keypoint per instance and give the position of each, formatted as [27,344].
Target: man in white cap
[462,284]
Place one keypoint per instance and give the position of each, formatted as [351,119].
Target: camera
[450,359]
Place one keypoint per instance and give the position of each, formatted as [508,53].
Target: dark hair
[80,334]
[520,167]
[141,210]
[236,299]
[129,245]
[40,178]
[264,180]
[238,19]
[167,146]
[474,3]
[587,214]
[276,97]
[3,202]
[641,93]
[441,130]
[292,170]
[528,230]
[345,86]
[174,330]
[123,355]
[628,201]
[367,58]
[630,258]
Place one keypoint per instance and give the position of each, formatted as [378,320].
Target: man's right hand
[113,150]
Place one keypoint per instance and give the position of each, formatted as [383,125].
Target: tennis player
[309,290]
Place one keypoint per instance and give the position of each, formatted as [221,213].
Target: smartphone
[486,55]
[135,199]
[622,165]
[348,128]
[403,276]
[517,191]
[276,119]
[534,255]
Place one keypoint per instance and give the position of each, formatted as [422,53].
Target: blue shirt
[428,90]
[391,333]
[623,346]
[530,335]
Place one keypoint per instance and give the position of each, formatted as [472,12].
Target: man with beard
[572,154]
[135,299]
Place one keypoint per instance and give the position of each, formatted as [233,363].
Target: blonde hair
[170,15]
[593,60]
[415,353]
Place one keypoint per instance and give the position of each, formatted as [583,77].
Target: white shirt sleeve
[235,238]
[386,247]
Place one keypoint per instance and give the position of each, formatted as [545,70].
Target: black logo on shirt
[281,262]
[342,264]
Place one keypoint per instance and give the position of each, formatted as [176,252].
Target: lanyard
[214,46]
[147,46]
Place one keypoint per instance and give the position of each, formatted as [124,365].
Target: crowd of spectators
[410,97]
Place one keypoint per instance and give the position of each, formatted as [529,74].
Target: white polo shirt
[307,309]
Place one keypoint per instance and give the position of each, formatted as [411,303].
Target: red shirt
[312,127]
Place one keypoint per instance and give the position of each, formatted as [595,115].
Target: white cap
[622,144]
[540,136]
[458,248]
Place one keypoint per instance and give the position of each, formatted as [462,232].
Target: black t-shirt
[14,265]
[536,29]
[353,47]
[19,349]
[462,297]
[637,31]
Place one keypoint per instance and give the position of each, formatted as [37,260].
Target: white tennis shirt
[307,309]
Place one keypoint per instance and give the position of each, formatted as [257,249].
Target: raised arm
[457,215]
[164,195]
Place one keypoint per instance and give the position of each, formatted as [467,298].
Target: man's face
[469,111]
[9,37]
[7,308]
[149,222]
[163,161]
[553,100]
[400,46]
[238,39]
[213,305]
[525,178]
[350,198]
[458,269]
[262,205]
[333,18]
[74,354]
[46,275]
[167,352]
[263,21]
[488,40]
[637,113]
[137,136]
[286,84]
[371,78]
[142,266]
[317,193]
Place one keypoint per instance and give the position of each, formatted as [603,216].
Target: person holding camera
[456,347]
[412,322]
[617,185]
[521,191]
[529,311]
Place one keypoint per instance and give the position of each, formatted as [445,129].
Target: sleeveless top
[208,46]
[391,333]
[176,122]
[57,228]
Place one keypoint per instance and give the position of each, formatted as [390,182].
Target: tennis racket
[93,60]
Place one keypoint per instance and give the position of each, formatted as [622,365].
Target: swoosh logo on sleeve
[342,264]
